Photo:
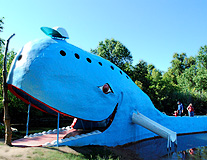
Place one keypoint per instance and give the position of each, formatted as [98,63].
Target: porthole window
[77,56]
[112,67]
[62,53]
[20,57]
[89,60]
[100,63]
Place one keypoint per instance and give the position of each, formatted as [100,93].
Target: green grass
[19,155]
[98,153]
[55,155]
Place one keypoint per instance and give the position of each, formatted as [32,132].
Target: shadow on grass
[96,152]
[91,152]
[101,152]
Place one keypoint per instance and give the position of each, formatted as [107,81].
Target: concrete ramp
[38,141]
[155,127]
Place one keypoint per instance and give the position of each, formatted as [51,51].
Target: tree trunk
[8,131]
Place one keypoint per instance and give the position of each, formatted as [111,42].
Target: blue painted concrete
[68,80]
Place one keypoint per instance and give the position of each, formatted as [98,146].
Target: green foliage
[202,57]
[2,130]
[115,52]
[1,30]
[17,108]
[140,73]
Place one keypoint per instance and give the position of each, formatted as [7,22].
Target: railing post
[58,129]
[28,119]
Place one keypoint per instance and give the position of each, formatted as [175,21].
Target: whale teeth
[61,140]
[35,134]
[55,131]
[54,142]
[83,135]
[31,135]
[40,134]
[46,144]
[88,134]
[72,138]
[49,132]
[67,139]
[68,128]
[77,137]
[96,132]
[63,128]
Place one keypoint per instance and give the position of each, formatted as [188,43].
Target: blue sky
[151,30]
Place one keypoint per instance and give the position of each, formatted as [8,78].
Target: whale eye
[106,88]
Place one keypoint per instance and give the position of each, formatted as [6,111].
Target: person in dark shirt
[180,108]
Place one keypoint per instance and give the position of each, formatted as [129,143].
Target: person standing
[180,108]
[190,109]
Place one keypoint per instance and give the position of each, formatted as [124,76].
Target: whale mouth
[81,126]
[78,129]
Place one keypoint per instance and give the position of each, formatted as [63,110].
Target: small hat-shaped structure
[55,32]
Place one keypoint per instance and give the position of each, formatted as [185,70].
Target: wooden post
[8,131]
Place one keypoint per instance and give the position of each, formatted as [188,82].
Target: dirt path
[20,153]
[86,152]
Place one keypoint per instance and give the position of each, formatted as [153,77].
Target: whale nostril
[20,57]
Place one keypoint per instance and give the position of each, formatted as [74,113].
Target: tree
[202,57]
[1,30]
[140,76]
[179,63]
[8,132]
[186,80]
[115,52]
[201,79]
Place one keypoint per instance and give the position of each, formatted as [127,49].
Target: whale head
[57,77]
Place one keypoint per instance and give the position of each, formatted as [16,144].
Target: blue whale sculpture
[57,77]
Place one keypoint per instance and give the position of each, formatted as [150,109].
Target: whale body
[57,77]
